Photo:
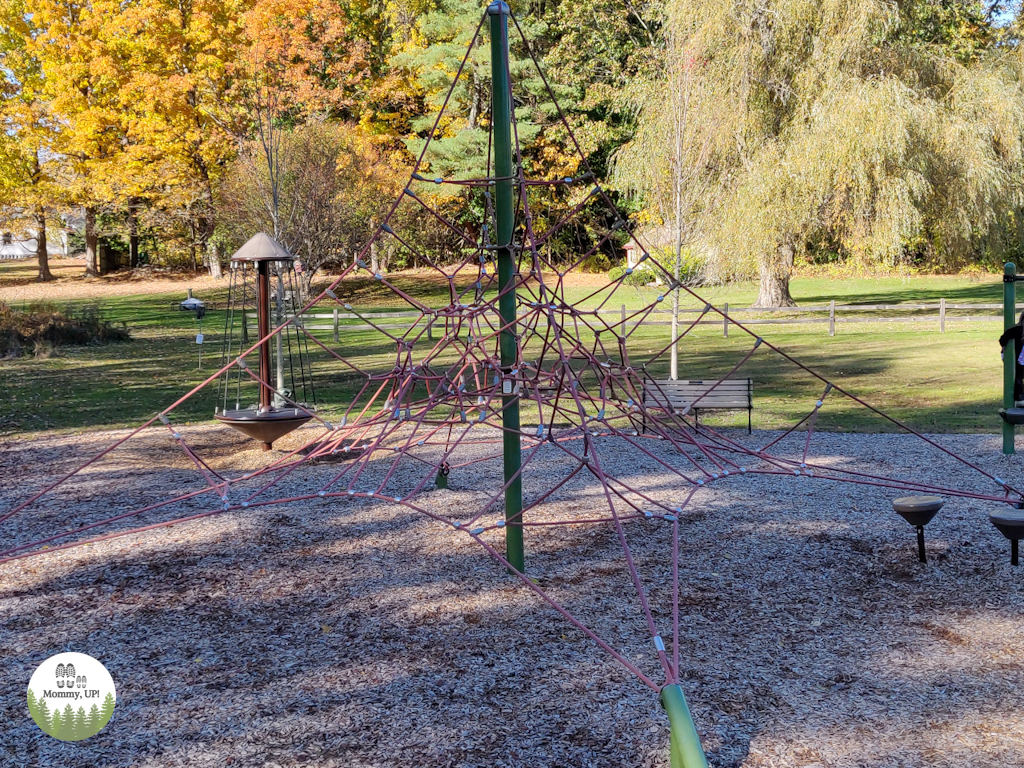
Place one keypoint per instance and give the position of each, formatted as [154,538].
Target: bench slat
[699,385]
[702,394]
[698,390]
[700,406]
[704,401]
[708,385]
[706,393]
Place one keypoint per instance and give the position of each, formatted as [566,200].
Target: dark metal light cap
[1010,523]
[918,510]
[498,8]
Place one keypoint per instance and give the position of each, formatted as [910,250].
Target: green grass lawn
[935,382]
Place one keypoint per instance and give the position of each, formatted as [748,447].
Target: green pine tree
[95,720]
[460,149]
[81,724]
[86,725]
[107,712]
[68,721]
[42,714]
[56,724]
[33,705]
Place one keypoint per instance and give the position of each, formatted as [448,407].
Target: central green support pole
[684,742]
[1009,351]
[504,213]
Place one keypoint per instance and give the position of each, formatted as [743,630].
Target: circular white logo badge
[71,696]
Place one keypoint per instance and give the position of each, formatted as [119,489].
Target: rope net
[591,405]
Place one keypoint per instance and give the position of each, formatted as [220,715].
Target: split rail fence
[830,314]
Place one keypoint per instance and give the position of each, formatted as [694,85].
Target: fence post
[623,319]
[725,320]
[942,315]
[832,317]
[335,325]
[430,337]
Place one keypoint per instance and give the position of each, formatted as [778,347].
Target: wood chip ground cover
[358,633]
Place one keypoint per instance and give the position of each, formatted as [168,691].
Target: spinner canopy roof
[262,247]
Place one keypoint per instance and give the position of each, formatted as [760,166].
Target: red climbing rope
[439,407]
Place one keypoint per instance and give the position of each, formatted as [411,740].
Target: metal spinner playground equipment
[263,286]
[505,379]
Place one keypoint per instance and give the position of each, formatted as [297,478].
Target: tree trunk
[474,107]
[133,234]
[677,187]
[306,283]
[775,274]
[673,372]
[91,241]
[212,259]
[44,263]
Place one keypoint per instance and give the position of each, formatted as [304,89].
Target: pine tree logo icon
[71,696]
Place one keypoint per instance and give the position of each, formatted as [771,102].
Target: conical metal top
[262,247]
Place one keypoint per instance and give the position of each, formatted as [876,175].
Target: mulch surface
[355,633]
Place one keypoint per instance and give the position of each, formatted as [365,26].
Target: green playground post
[684,742]
[1009,351]
[504,213]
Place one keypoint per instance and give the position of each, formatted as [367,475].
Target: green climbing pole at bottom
[685,745]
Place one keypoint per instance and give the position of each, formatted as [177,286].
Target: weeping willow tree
[832,121]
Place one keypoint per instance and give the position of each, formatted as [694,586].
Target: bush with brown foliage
[39,328]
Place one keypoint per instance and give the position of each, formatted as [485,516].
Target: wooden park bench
[701,395]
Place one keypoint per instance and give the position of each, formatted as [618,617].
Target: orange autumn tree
[308,52]
[305,172]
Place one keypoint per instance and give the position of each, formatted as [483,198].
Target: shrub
[40,328]
[596,262]
[691,267]
[641,275]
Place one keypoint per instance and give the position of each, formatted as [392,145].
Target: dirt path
[18,281]
[18,284]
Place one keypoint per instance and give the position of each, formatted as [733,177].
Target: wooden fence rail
[341,321]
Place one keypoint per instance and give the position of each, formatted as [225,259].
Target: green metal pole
[686,751]
[1009,351]
[504,212]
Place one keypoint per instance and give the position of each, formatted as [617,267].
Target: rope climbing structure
[512,372]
